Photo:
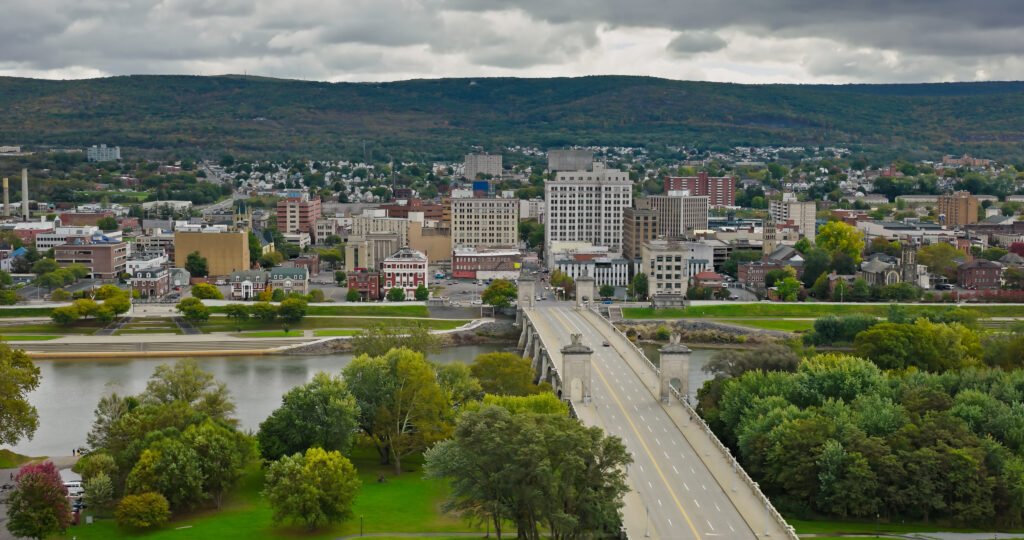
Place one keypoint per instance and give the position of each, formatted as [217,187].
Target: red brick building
[979,274]
[309,261]
[707,279]
[298,212]
[486,263]
[720,190]
[753,274]
[152,282]
[430,211]
[105,260]
[77,219]
[406,269]
[367,282]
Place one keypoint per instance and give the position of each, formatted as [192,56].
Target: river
[70,389]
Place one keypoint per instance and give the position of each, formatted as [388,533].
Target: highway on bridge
[668,477]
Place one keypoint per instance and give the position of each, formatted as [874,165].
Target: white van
[74,488]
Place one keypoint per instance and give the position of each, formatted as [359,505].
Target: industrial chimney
[7,199]
[24,194]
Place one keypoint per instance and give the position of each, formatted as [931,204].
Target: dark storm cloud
[866,40]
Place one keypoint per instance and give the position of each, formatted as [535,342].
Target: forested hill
[204,116]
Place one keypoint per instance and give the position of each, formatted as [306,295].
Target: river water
[70,389]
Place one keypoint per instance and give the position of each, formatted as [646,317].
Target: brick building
[405,269]
[152,282]
[105,260]
[979,274]
[720,190]
[639,225]
[298,212]
[486,263]
[366,282]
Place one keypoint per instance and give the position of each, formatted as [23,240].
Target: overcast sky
[761,41]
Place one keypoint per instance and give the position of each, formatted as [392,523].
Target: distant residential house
[707,279]
[247,284]
[288,279]
[366,282]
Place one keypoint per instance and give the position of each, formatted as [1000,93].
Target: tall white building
[801,214]
[669,265]
[586,206]
[570,160]
[678,214]
[487,222]
[103,153]
[482,164]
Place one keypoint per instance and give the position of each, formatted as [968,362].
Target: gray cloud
[778,41]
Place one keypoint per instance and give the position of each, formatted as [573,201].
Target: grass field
[332,333]
[9,460]
[15,312]
[868,527]
[404,504]
[223,324]
[80,327]
[810,310]
[787,325]
[279,333]
[27,338]
[369,310]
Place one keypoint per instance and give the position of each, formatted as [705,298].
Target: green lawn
[787,325]
[224,324]
[279,333]
[369,310]
[80,327]
[160,325]
[10,460]
[25,312]
[407,503]
[331,333]
[27,338]
[868,527]
[811,310]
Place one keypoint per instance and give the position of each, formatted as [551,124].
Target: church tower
[768,240]
[908,262]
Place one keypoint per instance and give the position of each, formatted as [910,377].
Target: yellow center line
[625,414]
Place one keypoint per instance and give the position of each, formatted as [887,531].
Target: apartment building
[485,222]
[670,264]
[799,213]
[477,164]
[678,214]
[639,225]
[103,153]
[298,212]
[720,190]
[958,209]
[587,206]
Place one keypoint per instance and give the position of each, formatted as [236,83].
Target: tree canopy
[18,377]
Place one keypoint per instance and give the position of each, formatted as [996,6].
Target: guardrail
[773,514]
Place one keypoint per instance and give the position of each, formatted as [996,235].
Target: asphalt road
[683,498]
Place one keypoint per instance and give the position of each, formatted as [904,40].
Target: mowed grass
[408,503]
[334,333]
[25,312]
[809,310]
[10,460]
[27,338]
[369,310]
[224,324]
[79,327]
[786,325]
[868,527]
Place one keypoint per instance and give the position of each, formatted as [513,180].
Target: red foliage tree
[38,507]
[1018,248]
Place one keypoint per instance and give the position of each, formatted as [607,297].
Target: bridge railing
[638,350]
[773,514]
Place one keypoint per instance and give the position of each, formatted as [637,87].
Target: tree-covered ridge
[439,117]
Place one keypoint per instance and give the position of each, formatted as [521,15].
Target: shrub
[143,510]
[662,333]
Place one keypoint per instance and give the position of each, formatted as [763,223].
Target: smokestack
[24,194]
[7,199]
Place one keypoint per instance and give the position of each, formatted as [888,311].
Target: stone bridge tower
[576,365]
[585,289]
[675,364]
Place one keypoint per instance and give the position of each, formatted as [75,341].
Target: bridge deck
[683,484]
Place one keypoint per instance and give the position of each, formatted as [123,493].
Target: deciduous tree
[320,413]
[500,293]
[314,489]
[504,373]
[38,507]
[18,377]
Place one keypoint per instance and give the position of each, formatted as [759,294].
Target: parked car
[607,302]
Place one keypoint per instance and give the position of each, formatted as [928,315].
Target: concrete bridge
[684,482]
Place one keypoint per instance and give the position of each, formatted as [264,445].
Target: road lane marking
[666,455]
[730,527]
[659,502]
[692,471]
[675,469]
[686,486]
[708,521]
[717,508]
[697,503]
[702,486]
[657,441]
[641,439]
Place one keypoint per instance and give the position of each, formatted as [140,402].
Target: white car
[477,302]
